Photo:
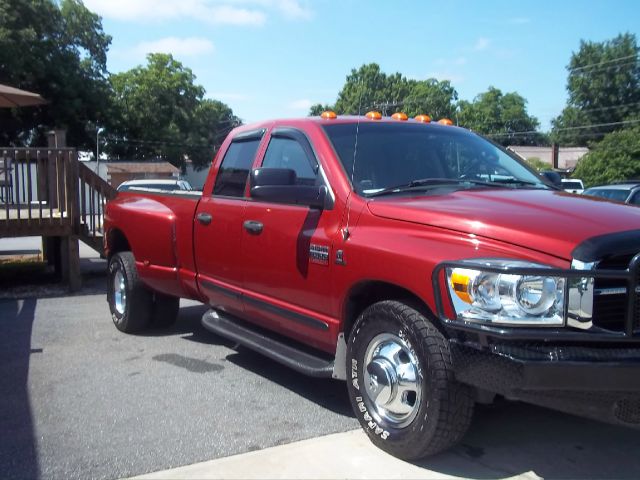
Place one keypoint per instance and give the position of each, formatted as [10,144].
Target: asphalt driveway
[78,399]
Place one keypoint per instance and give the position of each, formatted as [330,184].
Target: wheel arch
[368,292]
[117,242]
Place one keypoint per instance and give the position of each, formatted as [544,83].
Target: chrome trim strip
[580,294]
[611,291]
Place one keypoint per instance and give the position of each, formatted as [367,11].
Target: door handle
[204,218]
[253,227]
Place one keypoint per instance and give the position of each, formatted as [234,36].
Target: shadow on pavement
[38,280]
[513,438]
[18,455]
[327,393]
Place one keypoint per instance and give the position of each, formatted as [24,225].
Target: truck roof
[340,119]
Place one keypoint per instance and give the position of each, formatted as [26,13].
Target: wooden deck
[49,193]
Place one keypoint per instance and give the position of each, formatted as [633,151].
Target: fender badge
[340,258]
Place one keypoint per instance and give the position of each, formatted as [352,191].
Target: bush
[615,158]
[538,164]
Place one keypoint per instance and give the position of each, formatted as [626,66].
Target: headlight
[486,296]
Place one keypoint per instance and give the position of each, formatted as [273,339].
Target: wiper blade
[516,181]
[431,182]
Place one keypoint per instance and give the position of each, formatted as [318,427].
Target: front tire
[402,386]
[130,301]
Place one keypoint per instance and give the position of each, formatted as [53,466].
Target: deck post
[70,262]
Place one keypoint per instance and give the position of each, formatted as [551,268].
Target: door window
[288,153]
[234,170]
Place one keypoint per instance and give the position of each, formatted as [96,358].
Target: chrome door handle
[253,227]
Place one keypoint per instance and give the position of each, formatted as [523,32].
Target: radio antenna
[345,231]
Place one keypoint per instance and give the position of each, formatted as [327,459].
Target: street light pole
[98,130]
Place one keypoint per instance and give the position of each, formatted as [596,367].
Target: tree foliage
[161,113]
[501,116]
[603,86]
[615,158]
[59,50]
[368,88]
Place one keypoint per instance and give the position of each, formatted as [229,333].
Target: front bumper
[596,382]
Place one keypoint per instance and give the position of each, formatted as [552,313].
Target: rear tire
[165,310]
[129,300]
[401,383]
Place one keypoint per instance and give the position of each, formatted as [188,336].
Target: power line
[593,65]
[581,127]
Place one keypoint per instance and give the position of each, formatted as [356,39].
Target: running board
[242,333]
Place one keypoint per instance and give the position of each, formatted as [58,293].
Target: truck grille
[610,297]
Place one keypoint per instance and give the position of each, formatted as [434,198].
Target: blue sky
[273,58]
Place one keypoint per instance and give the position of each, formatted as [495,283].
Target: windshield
[390,155]
[572,185]
[617,195]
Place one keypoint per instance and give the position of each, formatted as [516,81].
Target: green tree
[615,158]
[432,97]
[317,109]
[603,87]
[368,88]
[59,50]
[161,114]
[502,117]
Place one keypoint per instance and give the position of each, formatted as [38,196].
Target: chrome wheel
[392,380]
[119,292]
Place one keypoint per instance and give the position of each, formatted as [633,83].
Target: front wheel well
[367,293]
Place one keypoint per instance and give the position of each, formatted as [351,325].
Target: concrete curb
[336,456]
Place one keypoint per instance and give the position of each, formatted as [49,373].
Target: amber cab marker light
[373,115]
[329,115]
[400,116]
[445,121]
[423,118]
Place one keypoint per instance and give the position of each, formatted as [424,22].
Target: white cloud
[220,12]
[180,47]
[293,10]
[446,75]
[302,104]
[481,44]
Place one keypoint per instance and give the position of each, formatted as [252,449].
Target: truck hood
[547,221]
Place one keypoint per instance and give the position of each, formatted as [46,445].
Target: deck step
[254,338]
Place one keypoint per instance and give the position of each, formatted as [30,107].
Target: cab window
[288,153]
[234,170]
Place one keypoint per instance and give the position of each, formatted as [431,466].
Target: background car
[619,192]
[155,184]
[572,185]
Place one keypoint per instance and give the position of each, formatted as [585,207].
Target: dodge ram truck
[423,264]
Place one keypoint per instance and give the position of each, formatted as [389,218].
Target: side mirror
[552,177]
[279,185]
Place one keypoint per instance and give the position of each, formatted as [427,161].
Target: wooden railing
[94,194]
[37,190]
[48,192]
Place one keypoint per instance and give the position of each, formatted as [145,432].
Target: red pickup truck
[418,261]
